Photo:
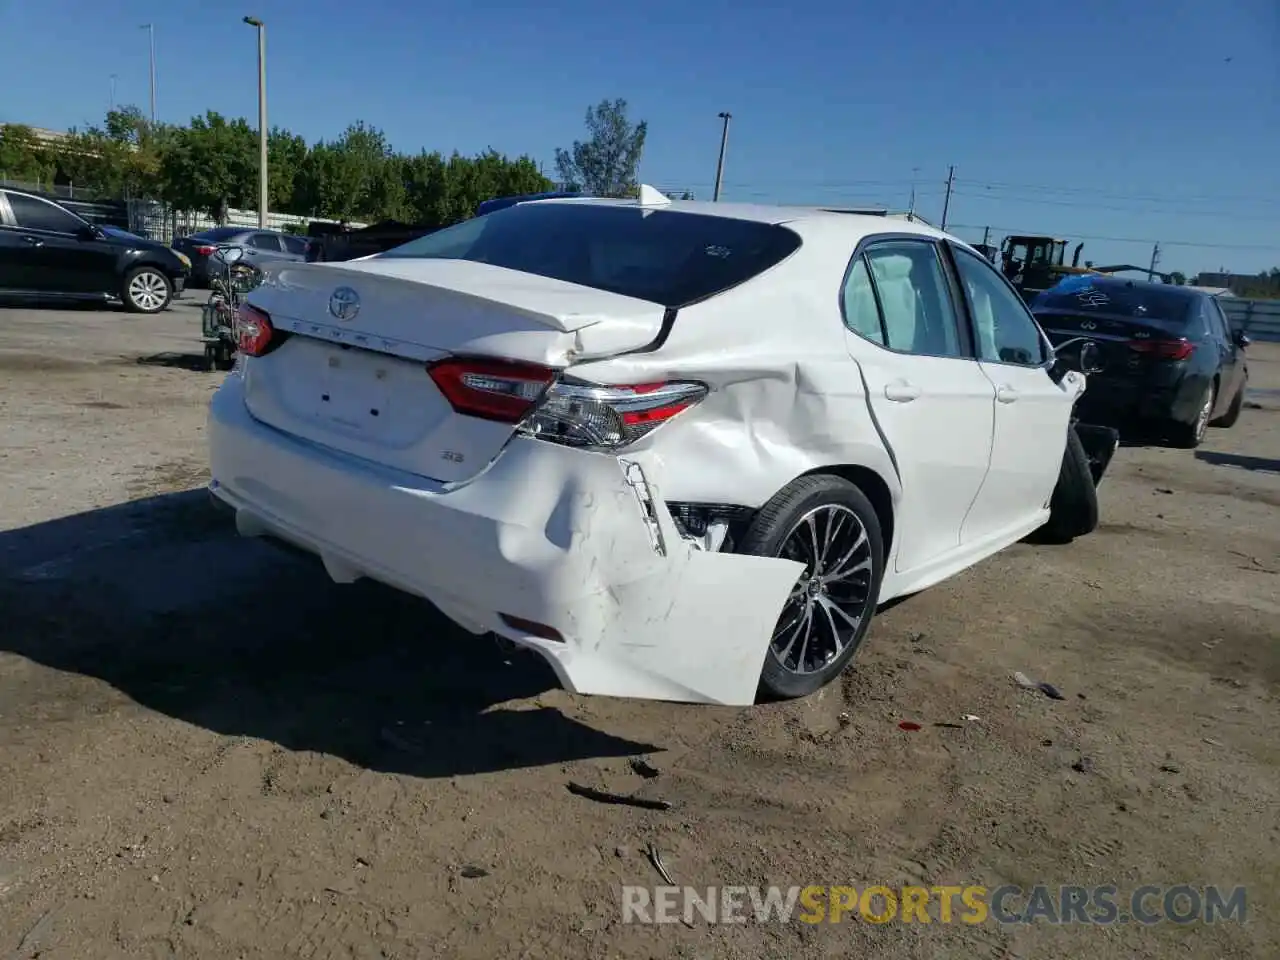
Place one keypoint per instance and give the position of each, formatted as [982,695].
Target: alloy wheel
[148,290]
[832,598]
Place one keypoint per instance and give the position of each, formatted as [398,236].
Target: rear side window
[663,256]
[294,245]
[1119,298]
[34,214]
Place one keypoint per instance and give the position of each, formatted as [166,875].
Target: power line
[1088,205]
[1142,240]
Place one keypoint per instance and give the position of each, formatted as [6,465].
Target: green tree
[122,158]
[1179,278]
[24,157]
[211,165]
[607,163]
[286,153]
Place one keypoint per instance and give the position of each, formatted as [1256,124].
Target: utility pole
[1155,258]
[151,30]
[946,204]
[724,142]
[911,210]
[262,118]
[986,235]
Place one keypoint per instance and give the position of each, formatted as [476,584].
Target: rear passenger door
[1032,412]
[262,248]
[930,400]
[1232,359]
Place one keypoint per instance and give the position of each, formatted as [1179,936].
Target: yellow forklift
[1036,263]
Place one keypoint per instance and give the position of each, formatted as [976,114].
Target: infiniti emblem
[1088,325]
[344,303]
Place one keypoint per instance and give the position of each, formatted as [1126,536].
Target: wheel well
[876,490]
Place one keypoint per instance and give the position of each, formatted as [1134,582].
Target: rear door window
[265,241]
[662,256]
[294,245]
[32,213]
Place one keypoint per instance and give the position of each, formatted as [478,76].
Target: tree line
[211,165]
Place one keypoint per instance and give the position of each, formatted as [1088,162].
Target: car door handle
[34,241]
[901,392]
[1006,394]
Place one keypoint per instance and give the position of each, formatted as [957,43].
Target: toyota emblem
[344,303]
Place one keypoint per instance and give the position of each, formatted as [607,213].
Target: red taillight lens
[1163,349]
[491,389]
[608,418]
[205,251]
[254,332]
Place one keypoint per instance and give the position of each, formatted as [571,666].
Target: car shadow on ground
[176,361]
[161,599]
[1260,464]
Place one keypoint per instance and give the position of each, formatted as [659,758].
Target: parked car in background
[1170,359]
[260,246]
[681,450]
[48,251]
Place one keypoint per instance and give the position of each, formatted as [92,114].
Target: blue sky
[1116,122]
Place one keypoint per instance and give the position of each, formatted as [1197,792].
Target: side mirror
[1089,360]
[230,254]
[88,232]
[1241,339]
[1079,354]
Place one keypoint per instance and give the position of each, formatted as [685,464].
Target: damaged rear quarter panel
[786,398]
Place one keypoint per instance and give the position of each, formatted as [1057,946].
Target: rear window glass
[662,256]
[218,233]
[1117,298]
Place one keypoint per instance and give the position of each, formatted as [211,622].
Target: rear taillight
[491,389]
[568,412]
[1163,349]
[204,251]
[254,333]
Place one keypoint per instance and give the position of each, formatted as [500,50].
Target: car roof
[852,225]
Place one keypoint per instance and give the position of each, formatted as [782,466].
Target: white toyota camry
[682,450]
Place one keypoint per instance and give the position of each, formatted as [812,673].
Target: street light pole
[262,118]
[724,141]
[151,31]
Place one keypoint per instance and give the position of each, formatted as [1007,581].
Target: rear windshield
[218,234]
[1117,298]
[663,256]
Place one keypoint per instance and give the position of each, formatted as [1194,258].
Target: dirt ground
[208,750]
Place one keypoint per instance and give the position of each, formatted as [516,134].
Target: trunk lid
[1113,333]
[360,385]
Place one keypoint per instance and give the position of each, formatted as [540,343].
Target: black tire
[1190,435]
[828,498]
[1073,509]
[1229,418]
[146,289]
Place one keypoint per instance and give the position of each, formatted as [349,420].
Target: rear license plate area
[355,390]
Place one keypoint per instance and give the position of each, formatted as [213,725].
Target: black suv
[48,251]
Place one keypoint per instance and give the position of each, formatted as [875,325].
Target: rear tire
[1073,510]
[823,623]
[1229,418]
[146,290]
[1191,435]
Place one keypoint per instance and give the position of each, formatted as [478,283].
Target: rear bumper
[546,535]
[1115,401]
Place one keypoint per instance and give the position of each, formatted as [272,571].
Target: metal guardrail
[1260,319]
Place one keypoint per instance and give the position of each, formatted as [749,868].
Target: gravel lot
[208,750]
